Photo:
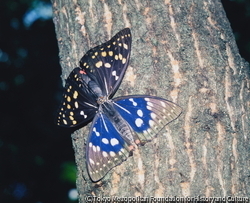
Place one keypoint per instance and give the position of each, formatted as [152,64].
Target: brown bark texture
[183,51]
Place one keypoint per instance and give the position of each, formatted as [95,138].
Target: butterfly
[118,124]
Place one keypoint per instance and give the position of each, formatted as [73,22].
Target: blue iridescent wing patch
[146,115]
[105,148]
[119,124]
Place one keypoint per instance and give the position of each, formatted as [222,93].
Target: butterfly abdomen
[118,122]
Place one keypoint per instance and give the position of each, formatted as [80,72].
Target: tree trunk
[183,51]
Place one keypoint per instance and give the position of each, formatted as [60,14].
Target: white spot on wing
[150,104]
[96,133]
[105,154]
[133,102]
[153,115]
[125,46]
[149,107]
[163,104]
[114,74]
[105,141]
[84,115]
[91,161]
[76,104]
[138,122]
[139,113]
[151,123]
[107,65]
[114,142]
[112,153]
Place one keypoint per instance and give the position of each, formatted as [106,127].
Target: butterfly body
[118,124]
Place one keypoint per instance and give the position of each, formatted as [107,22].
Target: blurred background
[36,157]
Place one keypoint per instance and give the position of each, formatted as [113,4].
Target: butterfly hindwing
[79,100]
[146,115]
[105,147]
[107,63]
[108,147]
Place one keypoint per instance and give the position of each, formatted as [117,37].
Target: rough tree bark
[183,51]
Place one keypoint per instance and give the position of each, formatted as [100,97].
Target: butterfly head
[102,99]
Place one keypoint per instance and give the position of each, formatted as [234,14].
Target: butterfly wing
[79,104]
[107,63]
[105,147]
[146,115]
[101,72]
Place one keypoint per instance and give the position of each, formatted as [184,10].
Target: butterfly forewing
[107,63]
[146,115]
[79,100]
[105,149]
